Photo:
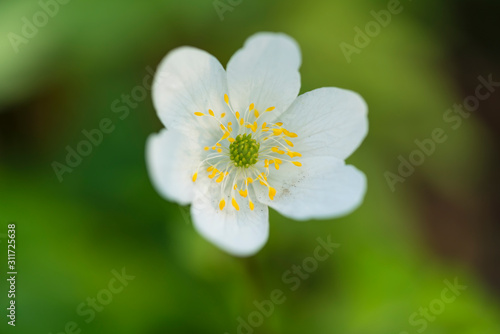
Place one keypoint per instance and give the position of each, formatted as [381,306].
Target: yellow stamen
[220,178]
[210,111]
[215,171]
[230,140]
[222,115]
[195,176]
[296,163]
[199,113]
[219,150]
[294,154]
[211,168]
[249,180]
[250,204]
[206,148]
[235,204]
[279,124]
[272,193]
[288,142]
[241,121]
[222,204]
[226,98]
[237,114]
[256,113]
[289,134]
[277,132]
[251,106]
[243,193]
[270,109]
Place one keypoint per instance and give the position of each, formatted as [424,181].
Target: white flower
[240,140]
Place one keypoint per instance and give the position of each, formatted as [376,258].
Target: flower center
[245,155]
[244,151]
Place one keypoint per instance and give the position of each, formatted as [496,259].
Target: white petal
[190,80]
[241,233]
[171,160]
[324,187]
[265,72]
[328,122]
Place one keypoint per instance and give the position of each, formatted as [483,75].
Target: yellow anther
[219,150]
[277,163]
[199,113]
[226,98]
[256,113]
[262,178]
[220,178]
[275,149]
[206,148]
[288,142]
[243,193]
[270,109]
[289,134]
[210,111]
[250,204]
[249,180]
[277,132]
[215,171]
[230,140]
[211,168]
[279,123]
[222,204]
[264,125]
[296,163]
[241,121]
[213,148]
[229,123]
[237,114]
[272,193]
[226,134]
[235,186]
[222,115]
[251,106]
[235,204]
[218,144]
[266,162]
[195,176]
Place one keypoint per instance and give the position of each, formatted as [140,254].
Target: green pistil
[244,151]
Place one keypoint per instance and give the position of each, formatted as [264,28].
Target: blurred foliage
[105,215]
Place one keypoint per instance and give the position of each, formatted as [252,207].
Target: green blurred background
[395,251]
